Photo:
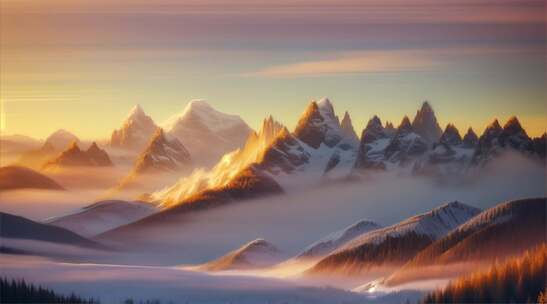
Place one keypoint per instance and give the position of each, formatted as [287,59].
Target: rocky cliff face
[425,124]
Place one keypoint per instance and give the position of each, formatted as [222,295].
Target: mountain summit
[347,127]
[163,154]
[425,124]
[319,125]
[135,131]
[74,156]
[207,133]
[256,254]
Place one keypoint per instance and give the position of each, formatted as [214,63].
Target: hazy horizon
[73,59]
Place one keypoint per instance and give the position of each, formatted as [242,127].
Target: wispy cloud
[382,61]
[351,63]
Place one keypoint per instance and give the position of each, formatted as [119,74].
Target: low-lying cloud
[293,221]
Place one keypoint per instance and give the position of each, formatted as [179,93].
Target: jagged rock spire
[135,132]
[405,126]
[451,135]
[470,139]
[319,125]
[513,127]
[162,154]
[425,123]
[74,156]
[347,127]
[373,130]
[492,130]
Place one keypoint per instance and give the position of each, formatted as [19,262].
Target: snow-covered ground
[115,283]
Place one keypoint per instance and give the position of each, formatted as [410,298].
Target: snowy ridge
[332,127]
[493,216]
[433,224]
[102,216]
[336,239]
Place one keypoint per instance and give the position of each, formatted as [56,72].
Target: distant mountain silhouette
[102,216]
[14,177]
[73,156]
[17,227]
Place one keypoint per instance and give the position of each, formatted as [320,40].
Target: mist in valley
[293,221]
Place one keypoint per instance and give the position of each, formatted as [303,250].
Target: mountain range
[36,157]
[321,149]
[163,156]
[502,231]
[73,156]
[396,244]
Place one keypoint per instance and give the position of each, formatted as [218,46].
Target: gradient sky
[81,65]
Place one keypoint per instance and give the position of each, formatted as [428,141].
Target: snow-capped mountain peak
[326,108]
[206,132]
[203,112]
[163,153]
[135,131]
[136,111]
[319,125]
